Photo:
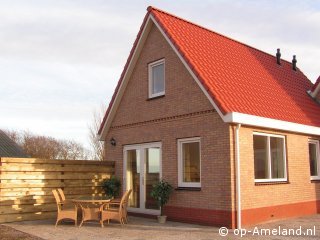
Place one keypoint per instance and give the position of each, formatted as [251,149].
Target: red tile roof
[240,78]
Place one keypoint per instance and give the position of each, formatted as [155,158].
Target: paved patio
[142,228]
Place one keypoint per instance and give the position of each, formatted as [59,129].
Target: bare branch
[97,147]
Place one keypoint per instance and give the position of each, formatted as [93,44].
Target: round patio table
[90,207]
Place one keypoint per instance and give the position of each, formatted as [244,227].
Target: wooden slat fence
[26,185]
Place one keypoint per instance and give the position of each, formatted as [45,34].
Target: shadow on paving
[8,233]
[143,228]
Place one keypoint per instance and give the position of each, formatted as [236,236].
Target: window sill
[315,179]
[271,183]
[193,189]
[156,97]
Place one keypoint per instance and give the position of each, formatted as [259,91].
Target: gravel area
[145,229]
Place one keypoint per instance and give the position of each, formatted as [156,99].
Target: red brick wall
[182,94]
[263,202]
[183,112]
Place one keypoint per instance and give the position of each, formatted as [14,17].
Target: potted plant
[111,187]
[161,192]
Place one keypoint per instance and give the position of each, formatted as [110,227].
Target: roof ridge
[150,8]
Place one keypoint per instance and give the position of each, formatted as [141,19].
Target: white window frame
[150,75]
[181,183]
[318,158]
[268,135]
[141,148]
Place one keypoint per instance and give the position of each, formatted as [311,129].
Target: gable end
[129,67]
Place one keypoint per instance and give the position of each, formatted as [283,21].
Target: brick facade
[185,112]
[298,196]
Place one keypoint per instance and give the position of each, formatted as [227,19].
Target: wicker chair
[63,197]
[63,212]
[115,210]
[125,209]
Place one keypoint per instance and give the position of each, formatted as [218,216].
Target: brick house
[235,130]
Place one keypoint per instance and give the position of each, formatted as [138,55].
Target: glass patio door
[142,169]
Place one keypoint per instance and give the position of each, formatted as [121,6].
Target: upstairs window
[314,159]
[269,158]
[156,78]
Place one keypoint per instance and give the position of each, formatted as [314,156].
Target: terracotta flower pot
[162,219]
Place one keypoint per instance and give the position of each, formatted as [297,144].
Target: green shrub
[161,192]
[112,186]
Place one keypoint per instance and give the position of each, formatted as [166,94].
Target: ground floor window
[189,162]
[314,159]
[269,157]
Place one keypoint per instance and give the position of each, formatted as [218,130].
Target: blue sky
[60,60]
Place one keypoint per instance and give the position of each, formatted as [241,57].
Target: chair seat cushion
[68,207]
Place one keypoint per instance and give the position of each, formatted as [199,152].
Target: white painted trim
[238,176]
[181,183]
[150,77]
[126,77]
[242,118]
[311,141]
[268,134]
[141,149]
[270,179]
[144,145]
[257,121]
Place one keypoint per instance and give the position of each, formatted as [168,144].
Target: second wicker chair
[115,210]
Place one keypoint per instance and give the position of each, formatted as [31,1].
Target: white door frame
[141,148]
